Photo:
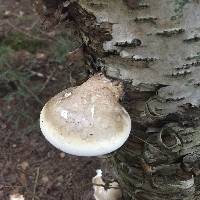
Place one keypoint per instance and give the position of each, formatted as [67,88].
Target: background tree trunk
[153,47]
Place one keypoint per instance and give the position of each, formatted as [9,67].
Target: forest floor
[32,70]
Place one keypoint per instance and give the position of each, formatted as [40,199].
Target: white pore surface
[84,147]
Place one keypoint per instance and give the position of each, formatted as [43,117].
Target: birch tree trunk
[153,47]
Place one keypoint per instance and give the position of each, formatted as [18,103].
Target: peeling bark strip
[153,46]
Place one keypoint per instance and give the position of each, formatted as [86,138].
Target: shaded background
[32,69]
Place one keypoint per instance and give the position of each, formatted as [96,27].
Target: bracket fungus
[103,192]
[87,120]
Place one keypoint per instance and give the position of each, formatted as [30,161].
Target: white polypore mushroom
[87,120]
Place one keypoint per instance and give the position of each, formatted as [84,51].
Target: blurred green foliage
[18,41]
[16,89]
[62,45]
[4,52]
[17,81]
[20,89]
[18,93]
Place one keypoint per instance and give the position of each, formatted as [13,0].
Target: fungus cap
[87,120]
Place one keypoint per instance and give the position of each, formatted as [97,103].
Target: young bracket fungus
[87,120]
[113,192]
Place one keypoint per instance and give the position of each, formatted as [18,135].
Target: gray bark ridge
[153,46]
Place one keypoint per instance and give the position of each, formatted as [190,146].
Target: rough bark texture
[153,47]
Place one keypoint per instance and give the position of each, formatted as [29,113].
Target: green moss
[17,41]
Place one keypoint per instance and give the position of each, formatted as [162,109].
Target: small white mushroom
[87,120]
[16,197]
[101,193]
